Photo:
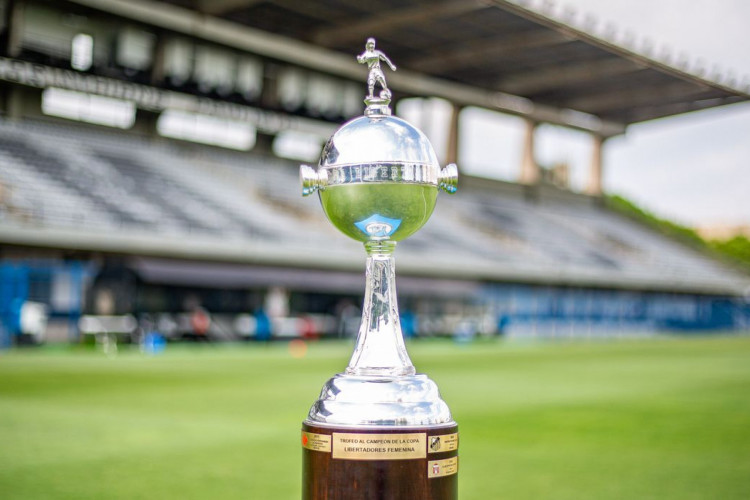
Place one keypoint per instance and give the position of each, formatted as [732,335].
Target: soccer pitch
[641,419]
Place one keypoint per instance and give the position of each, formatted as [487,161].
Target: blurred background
[150,155]
[150,201]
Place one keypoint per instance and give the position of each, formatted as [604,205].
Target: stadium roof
[493,53]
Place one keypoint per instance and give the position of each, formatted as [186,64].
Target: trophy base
[379,463]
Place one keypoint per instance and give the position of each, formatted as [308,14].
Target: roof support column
[451,152]
[529,169]
[594,186]
[14,28]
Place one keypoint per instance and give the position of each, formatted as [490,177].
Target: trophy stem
[380,348]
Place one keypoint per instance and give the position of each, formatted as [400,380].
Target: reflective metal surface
[378,149]
[368,140]
[411,173]
[356,400]
[380,348]
[378,179]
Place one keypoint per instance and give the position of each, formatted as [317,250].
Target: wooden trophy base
[401,463]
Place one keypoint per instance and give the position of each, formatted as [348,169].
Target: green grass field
[647,419]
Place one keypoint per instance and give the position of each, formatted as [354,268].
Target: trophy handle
[448,178]
[311,180]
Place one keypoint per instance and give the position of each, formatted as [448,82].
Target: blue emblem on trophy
[378,226]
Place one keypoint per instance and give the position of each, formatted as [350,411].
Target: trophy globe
[378,180]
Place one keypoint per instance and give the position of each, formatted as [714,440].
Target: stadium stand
[98,180]
[101,221]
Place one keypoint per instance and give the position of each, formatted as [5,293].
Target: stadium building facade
[147,168]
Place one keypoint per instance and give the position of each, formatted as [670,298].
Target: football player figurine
[372,58]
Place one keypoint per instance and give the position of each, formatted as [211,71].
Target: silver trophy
[378,180]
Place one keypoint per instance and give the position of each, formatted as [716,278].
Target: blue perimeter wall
[519,310]
[552,311]
[57,284]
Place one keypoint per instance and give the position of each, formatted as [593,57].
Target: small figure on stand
[372,58]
